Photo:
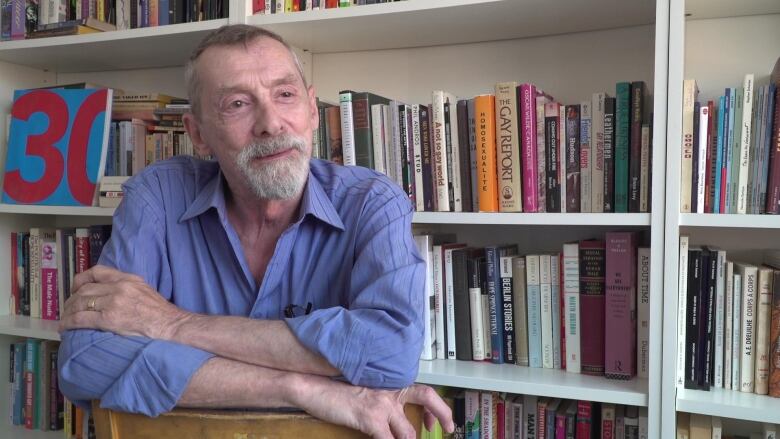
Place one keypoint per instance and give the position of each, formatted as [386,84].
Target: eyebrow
[291,78]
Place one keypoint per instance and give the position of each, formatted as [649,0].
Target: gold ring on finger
[91,304]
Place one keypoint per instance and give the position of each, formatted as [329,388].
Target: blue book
[534,299]
[719,153]
[163,13]
[555,275]
[494,298]
[767,146]
[728,138]
[57,146]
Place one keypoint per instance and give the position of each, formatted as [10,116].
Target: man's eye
[287,94]
[237,104]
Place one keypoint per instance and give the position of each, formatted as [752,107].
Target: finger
[101,274]
[400,426]
[428,398]
[383,433]
[78,302]
[429,419]
[81,320]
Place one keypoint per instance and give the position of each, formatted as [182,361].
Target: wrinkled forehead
[261,55]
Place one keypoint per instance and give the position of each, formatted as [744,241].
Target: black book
[507,309]
[98,236]
[707,328]
[464,156]
[635,145]
[609,156]
[552,185]
[448,142]
[427,159]
[460,285]
[692,320]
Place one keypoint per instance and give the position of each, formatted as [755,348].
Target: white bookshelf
[715,42]
[404,50]
[535,381]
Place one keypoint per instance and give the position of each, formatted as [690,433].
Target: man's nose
[268,121]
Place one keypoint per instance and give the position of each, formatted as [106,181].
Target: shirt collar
[314,202]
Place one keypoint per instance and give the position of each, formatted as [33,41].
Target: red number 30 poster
[57,146]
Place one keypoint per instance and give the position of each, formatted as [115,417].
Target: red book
[527,100]
[620,305]
[584,419]
[560,423]
[592,272]
[500,419]
[258,6]
[541,418]
[331,4]
[712,144]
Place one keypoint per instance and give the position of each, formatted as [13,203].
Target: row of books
[575,310]
[36,402]
[22,19]
[730,161]
[696,426]
[44,262]
[289,6]
[517,150]
[494,415]
[729,321]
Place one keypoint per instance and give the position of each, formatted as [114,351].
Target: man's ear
[315,112]
[192,126]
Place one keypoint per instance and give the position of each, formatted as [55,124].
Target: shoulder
[173,183]
[347,185]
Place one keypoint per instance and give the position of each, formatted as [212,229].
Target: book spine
[584,419]
[425,248]
[545,279]
[744,150]
[461,325]
[719,163]
[592,272]
[508,147]
[453,180]
[541,153]
[475,302]
[773,186]
[747,363]
[552,162]
[407,152]
[735,145]
[774,338]
[709,187]
[571,288]
[35,273]
[609,157]
[686,166]
[707,317]
[555,282]
[643,312]
[473,155]
[573,173]
[534,311]
[586,158]
[49,295]
[693,312]
[682,311]
[736,343]
[486,409]
[720,308]
[528,147]
[441,177]
[507,308]
[473,415]
[561,154]
[417,150]
[464,156]
[701,158]
[427,160]
[520,310]
[728,327]
[487,180]
[644,171]
[620,305]
[347,129]
[530,403]
[622,145]
[598,101]
[763,309]
[377,139]
[635,146]
[495,299]
[438,292]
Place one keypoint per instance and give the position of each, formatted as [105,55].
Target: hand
[109,300]
[378,413]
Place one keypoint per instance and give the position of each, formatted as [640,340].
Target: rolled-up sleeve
[131,374]
[376,340]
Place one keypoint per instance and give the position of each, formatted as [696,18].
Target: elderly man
[257,280]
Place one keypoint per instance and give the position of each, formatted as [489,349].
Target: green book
[32,384]
[622,137]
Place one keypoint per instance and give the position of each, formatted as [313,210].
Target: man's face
[256,117]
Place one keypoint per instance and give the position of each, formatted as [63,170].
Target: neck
[248,212]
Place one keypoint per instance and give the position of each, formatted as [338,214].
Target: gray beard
[280,179]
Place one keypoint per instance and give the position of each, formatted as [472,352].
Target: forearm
[267,343]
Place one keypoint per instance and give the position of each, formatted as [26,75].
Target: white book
[438,293]
[720,298]
[516,418]
[728,331]
[546,310]
[736,342]
[701,164]
[453,146]
[597,152]
[279,7]
[690,92]
[643,427]
[717,428]
[378,137]
[477,326]
[473,416]
[747,349]
[643,313]
[534,300]
[520,310]
[764,317]
[488,417]
[562,155]
[347,129]
[586,158]
[682,306]
[394,161]
[449,298]
[268,9]
[530,403]
[555,282]
[439,152]
[419,197]
[571,291]
[508,156]
[123,14]
[487,341]
[768,431]
[744,148]
[425,248]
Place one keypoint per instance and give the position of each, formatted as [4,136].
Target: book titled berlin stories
[57,146]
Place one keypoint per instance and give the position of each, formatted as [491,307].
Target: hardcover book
[57,146]
[592,272]
[620,308]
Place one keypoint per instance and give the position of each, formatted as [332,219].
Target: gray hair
[228,36]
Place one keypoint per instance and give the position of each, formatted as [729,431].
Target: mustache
[265,147]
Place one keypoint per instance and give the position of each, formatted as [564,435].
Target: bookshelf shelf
[56,210]
[730,221]
[534,381]
[730,404]
[706,9]
[163,46]
[28,327]
[420,23]
[546,219]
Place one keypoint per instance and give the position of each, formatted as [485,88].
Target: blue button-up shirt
[350,253]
